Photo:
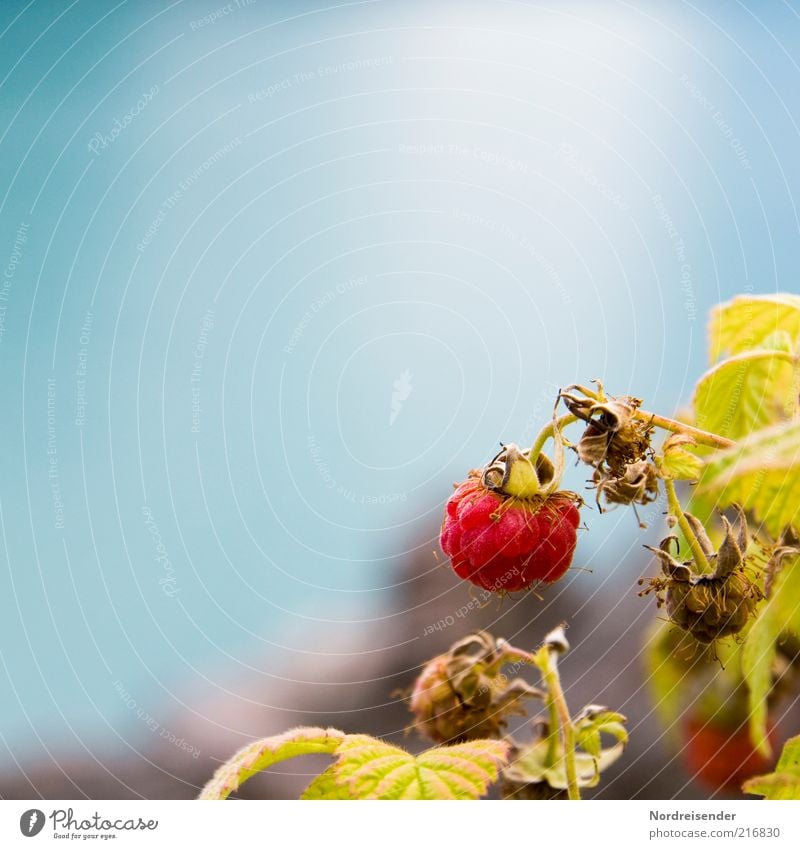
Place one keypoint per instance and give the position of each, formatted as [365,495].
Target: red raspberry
[720,757]
[504,542]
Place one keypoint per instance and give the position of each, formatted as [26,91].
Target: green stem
[701,437]
[597,397]
[547,432]
[700,559]
[552,740]
[560,713]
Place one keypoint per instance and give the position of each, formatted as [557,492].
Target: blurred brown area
[355,689]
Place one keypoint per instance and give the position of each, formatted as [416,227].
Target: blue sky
[230,236]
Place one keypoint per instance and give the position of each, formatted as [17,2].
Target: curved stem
[701,437]
[560,713]
[700,559]
[597,397]
[547,432]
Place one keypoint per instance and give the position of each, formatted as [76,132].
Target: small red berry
[720,757]
[501,540]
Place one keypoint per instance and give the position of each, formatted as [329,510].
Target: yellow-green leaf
[747,321]
[747,392]
[780,340]
[263,753]
[668,672]
[371,769]
[532,766]
[589,740]
[780,613]
[592,723]
[784,783]
[758,657]
[367,768]
[786,593]
[676,461]
[327,786]
[762,474]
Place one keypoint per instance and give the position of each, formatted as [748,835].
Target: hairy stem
[552,740]
[560,713]
[700,559]
[701,437]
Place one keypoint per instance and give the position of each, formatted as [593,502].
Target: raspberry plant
[722,660]
[462,695]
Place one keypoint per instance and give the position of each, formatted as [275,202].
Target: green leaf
[589,740]
[367,768]
[595,719]
[668,674]
[531,766]
[592,723]
[784,783]
[363,761]
[676,462]
[780,613]
[747,392]
[535,763]
[762,474]
[468,767]
[780,340]
[786,594]
[758,657]
[327,786]
[371,769]
[744,323]
[263,753]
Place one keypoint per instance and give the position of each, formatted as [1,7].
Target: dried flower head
[713,605]
[463,694]
[638,484]
[614,436]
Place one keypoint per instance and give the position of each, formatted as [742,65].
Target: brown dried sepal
[613,435]
[463,694]
[713,605]
[637,485]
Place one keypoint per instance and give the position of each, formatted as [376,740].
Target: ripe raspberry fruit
[720,757]
[502,533]
[463,695]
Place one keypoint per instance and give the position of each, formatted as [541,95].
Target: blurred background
[275,275]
